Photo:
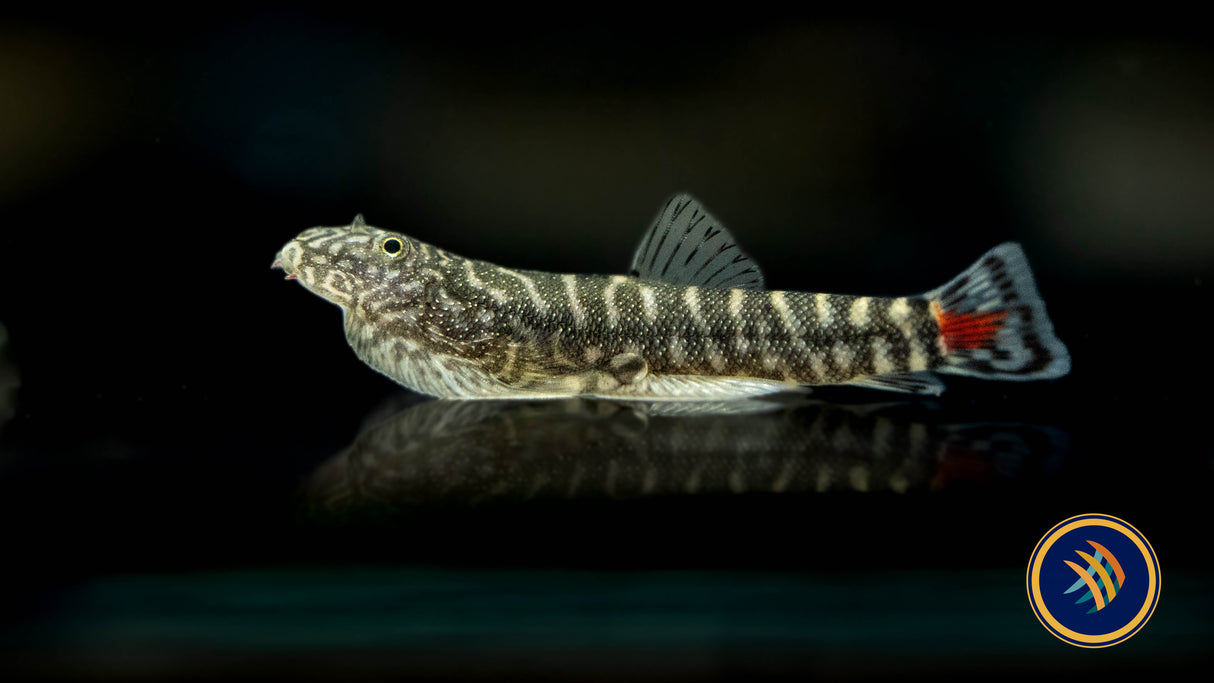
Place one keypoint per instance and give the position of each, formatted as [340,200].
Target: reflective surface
[573,538]
[479,451]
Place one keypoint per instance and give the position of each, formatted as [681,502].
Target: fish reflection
[477,451]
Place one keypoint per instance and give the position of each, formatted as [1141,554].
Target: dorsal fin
[359,222]
[688,246]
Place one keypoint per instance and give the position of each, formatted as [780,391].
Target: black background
[174,390]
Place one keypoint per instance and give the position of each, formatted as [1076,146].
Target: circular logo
[1093,580]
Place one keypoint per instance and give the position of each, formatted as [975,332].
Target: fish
[433,452]
[690,320]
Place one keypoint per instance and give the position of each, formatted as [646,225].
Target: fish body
[690,321]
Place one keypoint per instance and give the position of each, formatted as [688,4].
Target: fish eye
[392,247]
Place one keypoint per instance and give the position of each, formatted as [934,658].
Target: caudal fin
[993,322]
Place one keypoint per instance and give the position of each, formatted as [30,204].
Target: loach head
[343,264]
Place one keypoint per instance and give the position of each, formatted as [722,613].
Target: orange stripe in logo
[1112,561]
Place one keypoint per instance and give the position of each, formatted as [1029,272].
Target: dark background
[163,392]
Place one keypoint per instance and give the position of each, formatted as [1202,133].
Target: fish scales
[462,328]
[535,311]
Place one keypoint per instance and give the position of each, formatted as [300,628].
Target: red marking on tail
[968,330]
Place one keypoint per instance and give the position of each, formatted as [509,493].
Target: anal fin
[922,383]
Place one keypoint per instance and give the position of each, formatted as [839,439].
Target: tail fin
[993,322]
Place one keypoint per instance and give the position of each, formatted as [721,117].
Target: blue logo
[1093,580]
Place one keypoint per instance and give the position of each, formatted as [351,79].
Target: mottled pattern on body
[451,326]
[690,322]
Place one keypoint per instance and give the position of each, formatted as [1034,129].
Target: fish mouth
[279,265]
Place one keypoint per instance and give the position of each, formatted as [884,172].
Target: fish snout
[289,258]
